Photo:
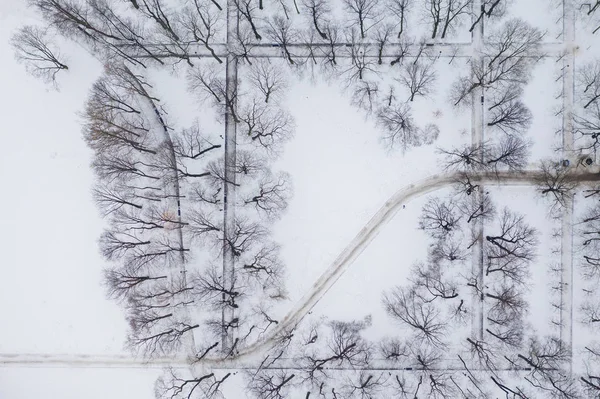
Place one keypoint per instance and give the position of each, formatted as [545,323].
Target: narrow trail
[175,185]
[477,138]
[566,247]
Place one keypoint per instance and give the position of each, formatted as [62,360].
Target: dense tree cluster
[162,192]
[587,261]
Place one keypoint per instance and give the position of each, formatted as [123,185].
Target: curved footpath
[320,287]
[370,231]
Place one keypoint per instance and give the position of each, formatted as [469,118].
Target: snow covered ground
[341,176]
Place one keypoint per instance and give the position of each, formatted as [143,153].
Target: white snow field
[301,199]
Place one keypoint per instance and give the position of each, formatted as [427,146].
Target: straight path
[477,139]
[566,250]
[229,186]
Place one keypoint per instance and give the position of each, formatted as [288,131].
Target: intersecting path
[471,50]
[566,247]
[370,231]
[468,50]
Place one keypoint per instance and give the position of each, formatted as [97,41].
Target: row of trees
[162,193]
[333,359]
[586,116]
[152,32]
[587,262]
[586,119]
[155,28]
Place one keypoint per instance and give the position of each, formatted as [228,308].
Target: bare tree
[444,15]
[490,8]
[318,12]
[243,43]
[469,157]
[401,51]
[364,13]
[419,78]
[483,353]
[191,144]
[121,167]
[264,266]
[507,112]
[271,196]
[121,282]
[365,94]
[590,232]
[383,35]
[211,290]
[345,347]
[364,385]
[267,78]
[34,48]
[400,129]
[162,341]
[506,304]
[555,183]
[115,244]
[545,360]
[98,25]
[590,381]
[210,84]
[430,283]
[280,30]
[116,131]
[244,236]
[448,250]
[247,9]
[157,11]
[394,349]
[401,10]
[175,169]
[512,116]
[362,65]
[509,251]
[249,164]
[439,218]
[515,39]
[162,249]
[507,60]
[202,24]
[588,83]
[265,126]
[108,97]
[405,388]
[423,318]
[591,384]
[172,385]
[508,335]
[590,311]
[267,384]
[204,226]
[112,198]
[333,39]
[472,209]
[113,119]
[511,152]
